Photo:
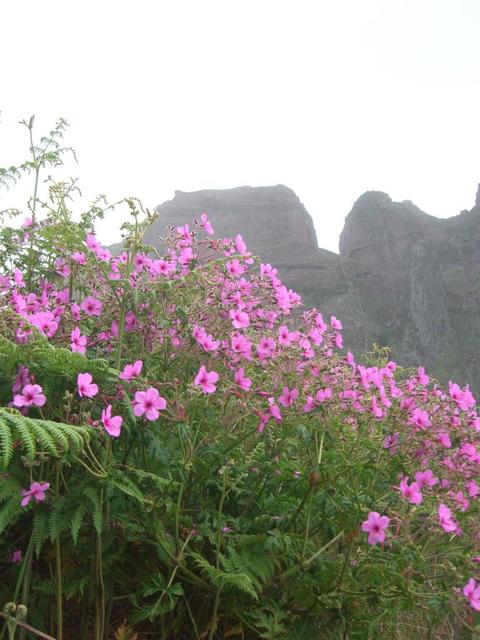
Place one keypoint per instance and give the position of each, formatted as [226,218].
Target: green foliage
[34,437]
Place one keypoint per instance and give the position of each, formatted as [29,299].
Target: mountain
[402,278]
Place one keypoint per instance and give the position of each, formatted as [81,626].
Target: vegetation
[186,453]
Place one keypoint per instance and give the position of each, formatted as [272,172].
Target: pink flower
[422,376]
[472,488]
[92,242]
[288,396]
[464,399]
[411,492]
[23,378]
[206,380]
[85,386]
[420,418]
[336,324]
[37,492]
[131,371]
[111,423]
[425,479]
[79,257]
[31,395]
[445,519]
[91,306]
[45,323]
[323,395]
[375,526]
[240,319]
[444,439]
[391,442]
[274,410]
[78,342]
[472,592]
[16,556]
[206,224]
[240,379]
[150,403]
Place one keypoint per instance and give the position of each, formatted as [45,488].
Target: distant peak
[477,199]
[374,197]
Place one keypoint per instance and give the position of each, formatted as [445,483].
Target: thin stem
[58,568]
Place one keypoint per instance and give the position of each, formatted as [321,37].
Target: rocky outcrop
[402,278]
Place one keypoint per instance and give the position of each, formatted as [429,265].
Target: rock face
[403,278]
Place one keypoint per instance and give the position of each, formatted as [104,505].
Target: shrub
[185,448]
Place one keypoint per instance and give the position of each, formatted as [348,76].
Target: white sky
[330,98]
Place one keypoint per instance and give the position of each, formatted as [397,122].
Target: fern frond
[34,435]
[218,578]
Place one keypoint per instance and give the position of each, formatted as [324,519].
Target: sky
[329,98]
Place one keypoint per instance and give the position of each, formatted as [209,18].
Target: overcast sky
[331,98]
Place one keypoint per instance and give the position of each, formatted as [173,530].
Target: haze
[330,99]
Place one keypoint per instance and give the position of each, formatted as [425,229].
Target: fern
[255,562]
[40,529]
[96,513]
[218,578]
[10,512]
[77,521]
[35,436]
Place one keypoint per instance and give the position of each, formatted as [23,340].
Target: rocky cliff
[403,278]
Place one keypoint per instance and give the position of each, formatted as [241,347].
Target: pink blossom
[45,323]
[420,418]
[425,478]
[91,242]
[444,439]
[206,380]
[391,442]
[445,519]
[285,338]
[241,345]
[423,379]
[240,319]
[78,342]
[288,396]
[240,245]
[266,348]
[375,410]
[240,379]
[472,592]
[31,396]
[16,556]
[131,371]
[309,404]
[62,268]
[336,324]
[150,403]
[375,526]
[464,399]
[86,388]
[306,347]
[235,268]
[411,492]
[37,492]
[472,488]
[323,395]
[91,306]
[22,378]
[111,423]
[274,410]
[79,257]
[206,224]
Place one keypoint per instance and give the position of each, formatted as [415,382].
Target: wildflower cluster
[233,445]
